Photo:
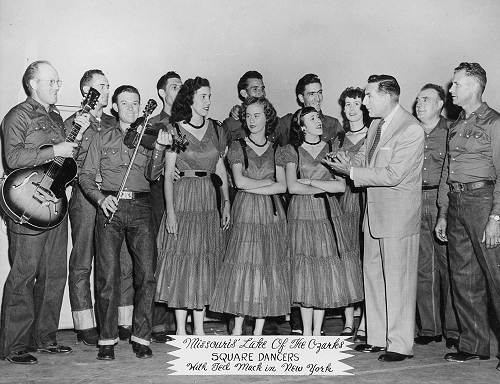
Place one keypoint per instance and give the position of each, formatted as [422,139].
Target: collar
[164,115]
[390,116]
[36,105]
[480,112]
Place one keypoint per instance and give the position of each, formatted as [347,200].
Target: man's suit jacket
[393,177]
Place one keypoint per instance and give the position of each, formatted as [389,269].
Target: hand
[304,181]
[172,224]
[177,174]
[64,149]
[226,215]
[83,120]
[109,205]
[491,234]
[235,112]
[164,138]
[440,229]
[340,164]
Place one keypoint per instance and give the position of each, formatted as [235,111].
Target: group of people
[260,216]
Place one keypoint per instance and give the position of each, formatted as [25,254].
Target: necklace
[257,145]
[197,126]
[316,143]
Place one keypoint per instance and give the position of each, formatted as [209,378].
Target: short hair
[474,70]
[439,90]
[124,88]
[30,73]
[162,81]
[88,76]
[353,93]
[297,135]
[243,82]
[269,112]
[181,108]
[310,78]
[386,84]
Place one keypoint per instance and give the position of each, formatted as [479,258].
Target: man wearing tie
[390,166]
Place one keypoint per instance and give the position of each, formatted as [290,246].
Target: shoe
[88,336]
[424,340]
[393,356]
[452,343]
[160,337]
[323,333]
[368,348]
[124,332]
[348,331]
[360,338]
[141,351]
[106,352]
[21,357]
[296,332]
[55,348]
[460,357]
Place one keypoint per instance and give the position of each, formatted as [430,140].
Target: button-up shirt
[110,157]
[26,128]
[156,157]
[473,153]
[434,153]
[105,122]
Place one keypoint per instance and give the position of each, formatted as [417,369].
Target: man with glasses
[34,288]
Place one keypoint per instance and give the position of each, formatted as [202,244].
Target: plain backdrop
[135,42]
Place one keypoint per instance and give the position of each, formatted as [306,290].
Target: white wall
[342,41]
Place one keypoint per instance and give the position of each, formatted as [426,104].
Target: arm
[276,187]
[170,159]
[331,186]
[294,186]
[90,168]
[246,183]
[407,150]
[1,159]
[221,171]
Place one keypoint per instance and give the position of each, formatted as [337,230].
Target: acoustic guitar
[36,196]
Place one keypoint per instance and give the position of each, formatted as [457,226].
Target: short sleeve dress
[254,279]
[187,266]
[317,239]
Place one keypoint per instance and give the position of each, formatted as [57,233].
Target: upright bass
[36,196]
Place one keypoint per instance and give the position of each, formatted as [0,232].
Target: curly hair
[297,134]
[269,112]
[181,108]
[353,93]
[243,82]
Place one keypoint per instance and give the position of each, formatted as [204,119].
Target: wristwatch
[495,217]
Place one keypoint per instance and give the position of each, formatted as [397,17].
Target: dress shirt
[434,153]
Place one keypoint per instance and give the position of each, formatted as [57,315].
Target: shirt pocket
[111,157]
[476,139]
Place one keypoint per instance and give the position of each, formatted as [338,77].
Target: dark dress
[187,266]
[254,279]
[316,237]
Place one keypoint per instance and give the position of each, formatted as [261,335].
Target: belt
[429,187]
[464,187]
[193,173]
[127,195]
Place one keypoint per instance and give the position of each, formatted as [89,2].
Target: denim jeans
[475,270]
[132,222]
[82,214]
[436,315]
[34,288]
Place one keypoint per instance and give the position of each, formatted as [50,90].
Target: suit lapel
[370,137]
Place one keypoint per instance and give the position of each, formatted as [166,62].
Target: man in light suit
[390,166]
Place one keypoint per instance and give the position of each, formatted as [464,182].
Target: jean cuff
[108,341]
[138,340]
[83,319]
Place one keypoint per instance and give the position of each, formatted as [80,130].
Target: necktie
[375,140]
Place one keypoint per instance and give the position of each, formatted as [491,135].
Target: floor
[81,366]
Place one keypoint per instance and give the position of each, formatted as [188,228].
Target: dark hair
[353,93]
[310,78]
[440,91]
[243,82]
[387,84]
[269,112]
[124,88]
[297,135]
[181,108]
[30,73]
[474,70]
[88,76]
[162,81]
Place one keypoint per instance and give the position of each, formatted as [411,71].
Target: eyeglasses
[52,83]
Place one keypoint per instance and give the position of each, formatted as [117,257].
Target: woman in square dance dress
[316,237]
[191,241]
[254,280]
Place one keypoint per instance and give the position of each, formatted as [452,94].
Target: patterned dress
[187,266]
[254,279]
[317,239]
[351,203]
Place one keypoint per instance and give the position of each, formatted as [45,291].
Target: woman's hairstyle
[181,108]
[353,93]
[297,134]
[269,112]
